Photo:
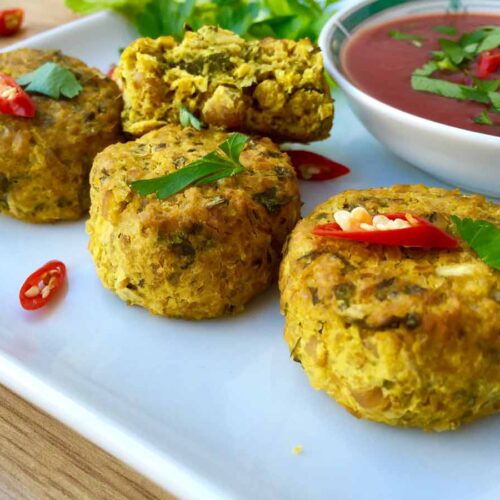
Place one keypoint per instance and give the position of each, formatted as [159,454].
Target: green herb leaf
[407,37]
[210,168]
[453,50]
[234,145]
[187,119]
[495,100]
[446,65]
[51,79]
[490,42]
[427,69]
[470,41]
[483,119]
[445,30]
[447,89]
[483,237]
[473,94]
[454,90]
[486,85]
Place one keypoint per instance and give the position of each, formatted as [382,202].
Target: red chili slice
[10,21]
[489,62]
[41,286]
[14,100]
[422,235]
[313,167]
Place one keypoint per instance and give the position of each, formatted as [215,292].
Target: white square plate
[213,409]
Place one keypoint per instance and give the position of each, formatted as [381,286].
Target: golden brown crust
[46,160]
[274,88]
[203,252]
[408,337]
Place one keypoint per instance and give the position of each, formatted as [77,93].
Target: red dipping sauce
[382,67]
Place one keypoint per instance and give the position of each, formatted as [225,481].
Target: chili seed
[32,292]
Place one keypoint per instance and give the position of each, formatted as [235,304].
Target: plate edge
[162,470]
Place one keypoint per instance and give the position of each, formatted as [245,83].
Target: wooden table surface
[40,457]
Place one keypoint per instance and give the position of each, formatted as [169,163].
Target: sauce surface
[382,67]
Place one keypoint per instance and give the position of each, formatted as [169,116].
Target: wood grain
[40,458]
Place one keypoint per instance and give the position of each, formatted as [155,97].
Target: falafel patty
[203,252]
[274,88]
[404,336]
[46,160]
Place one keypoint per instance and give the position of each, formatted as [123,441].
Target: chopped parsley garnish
[53,80]
[187,119]
[223,162]
[452,50]
[483,237]
[452,90]
[445,30]
[487,85]
[495,100]
[407,37]
[458,56]
[483,118]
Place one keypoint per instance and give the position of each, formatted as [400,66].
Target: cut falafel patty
[403,336]
[274,88]
[46,160]
[203,252]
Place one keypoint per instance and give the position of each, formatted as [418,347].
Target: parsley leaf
[407,37]
[187,119]
[483,119]
[495,100]
[487,85]
[445,30]
[490,42]
[452,90]
[427,69]
[453,50]
[448,89]
[210,168]
[53,80]
[483,237]
[234,145]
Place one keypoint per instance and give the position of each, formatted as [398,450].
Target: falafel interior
[274,88]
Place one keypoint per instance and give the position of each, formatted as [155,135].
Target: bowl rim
[408,118]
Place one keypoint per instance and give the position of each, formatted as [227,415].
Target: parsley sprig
[457,55]
[483,118]
[53,80]
[223,162]
[483,237]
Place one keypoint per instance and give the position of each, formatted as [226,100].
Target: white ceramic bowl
[467,159]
